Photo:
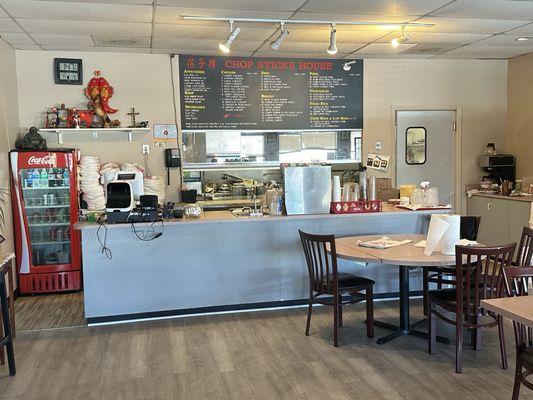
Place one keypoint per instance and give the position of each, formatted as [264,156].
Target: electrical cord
[149,234]
[106,251]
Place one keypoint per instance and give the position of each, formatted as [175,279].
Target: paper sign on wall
[165,133]
[377,161]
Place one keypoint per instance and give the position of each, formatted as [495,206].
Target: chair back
[517,283]
[321,258]
[469,227]
[525,249]
[477,274]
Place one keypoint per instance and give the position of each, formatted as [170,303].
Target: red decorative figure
[99,91]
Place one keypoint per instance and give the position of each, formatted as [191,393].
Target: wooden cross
[133,114]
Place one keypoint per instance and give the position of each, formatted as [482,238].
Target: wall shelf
[60,131]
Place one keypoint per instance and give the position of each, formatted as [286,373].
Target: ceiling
[469,29]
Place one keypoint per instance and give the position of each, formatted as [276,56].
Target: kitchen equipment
[39,205]
[307,189]
[499,166]
[363,184]
[119,197]
[372,188]
[135,178]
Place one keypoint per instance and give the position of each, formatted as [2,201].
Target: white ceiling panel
[210,32]
[189,50]
[495,9]
[321,34]
[80,11]
[203,44]
[311,47]
[288,54]
[383,48]
[85,27]
[332,16]
[478,51]
[467,25]
[121,41]
[507,40]
[63,40]
[384,7]
[2,13]
[523,30]
[100,49]
[133,2]
[27,47]
[252,5]
[17,38]
[441,38]
[172,15]
[8,25]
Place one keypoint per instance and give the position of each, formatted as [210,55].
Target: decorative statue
[99,91]
[32,141]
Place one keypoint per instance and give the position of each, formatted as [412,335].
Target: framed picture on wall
[68,71]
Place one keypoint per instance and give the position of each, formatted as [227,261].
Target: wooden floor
[49,311]
[259,355]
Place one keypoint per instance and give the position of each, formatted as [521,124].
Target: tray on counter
[424,208]
[355,207]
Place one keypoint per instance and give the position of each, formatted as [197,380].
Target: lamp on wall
[395,42]
[225,46]
[274,45]
[332,49]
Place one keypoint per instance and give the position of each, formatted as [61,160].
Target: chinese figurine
[98,91]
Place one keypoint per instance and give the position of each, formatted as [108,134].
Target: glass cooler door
[46,195]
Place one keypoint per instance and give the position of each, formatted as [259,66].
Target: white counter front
[221,262]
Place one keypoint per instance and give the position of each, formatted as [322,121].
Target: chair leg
[476,335]
[503,349]
[459,330]
[11,301]
[336,322]
[370,312]
[517,381]
[425,290]
[2,351]
[432,331]
[439,284]
[340,310]
[309,312]
[7,329]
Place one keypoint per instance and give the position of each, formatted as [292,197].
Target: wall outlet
[146,149]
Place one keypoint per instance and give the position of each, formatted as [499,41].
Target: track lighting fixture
[225,46]
[332,49]
[348,65]
[274,45]
[400,39]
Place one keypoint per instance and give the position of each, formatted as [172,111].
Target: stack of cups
[92,190]
[336,194]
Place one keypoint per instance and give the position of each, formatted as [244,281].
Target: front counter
[221,262]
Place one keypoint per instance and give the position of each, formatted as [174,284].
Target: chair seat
[526,355]
[351,281]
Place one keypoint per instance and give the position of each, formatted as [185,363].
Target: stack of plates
[155,185]
[92,190]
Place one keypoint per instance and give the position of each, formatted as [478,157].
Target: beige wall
[519,138]
[8,127]
[143,81]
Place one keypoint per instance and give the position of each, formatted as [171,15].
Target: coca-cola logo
[48,160]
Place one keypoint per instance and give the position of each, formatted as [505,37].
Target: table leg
[405,327]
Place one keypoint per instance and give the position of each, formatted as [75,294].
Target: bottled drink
[44,178]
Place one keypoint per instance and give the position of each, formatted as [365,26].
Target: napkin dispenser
[443,234]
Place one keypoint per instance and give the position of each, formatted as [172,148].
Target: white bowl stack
[92,190]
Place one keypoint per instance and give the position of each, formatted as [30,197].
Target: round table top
[406,254]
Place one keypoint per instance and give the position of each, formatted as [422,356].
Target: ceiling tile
[310,47]
[441,38]
[253,5]
[85,27]
[2,12]
[17,38]
[479,51]
[172,15]
[80,12]
[333,16]
[523,30]
[27,47]
[203,44]
[383,48]
[507,40]
[8,25]
[63,40]
[303,33]
[288,54]
[147,2]
[467,25]
[211,52]
[122,41]
[430,49]
[496,9]
[383,7]
[96,49]
[210,31]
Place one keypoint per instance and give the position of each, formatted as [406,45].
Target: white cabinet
[501,219]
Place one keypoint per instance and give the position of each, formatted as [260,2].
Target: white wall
[143,81]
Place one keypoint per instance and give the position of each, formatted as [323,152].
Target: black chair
[329,287]
[477,276]
[524,256]
[517,282]
[6,337]
[446,276]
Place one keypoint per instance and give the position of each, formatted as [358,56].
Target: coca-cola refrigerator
[45,207]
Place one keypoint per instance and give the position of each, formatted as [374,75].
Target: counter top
[227,216]
[499,196]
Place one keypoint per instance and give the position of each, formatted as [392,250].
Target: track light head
[395,42]
[225,46]
[332,49]
[274,45]
[348,65]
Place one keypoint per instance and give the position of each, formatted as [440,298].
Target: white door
[425,150]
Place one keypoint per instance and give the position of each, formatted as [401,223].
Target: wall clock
[68,71]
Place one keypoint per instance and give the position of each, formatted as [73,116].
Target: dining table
[519,309]
[404,257]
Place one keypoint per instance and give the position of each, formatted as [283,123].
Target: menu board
[269,94]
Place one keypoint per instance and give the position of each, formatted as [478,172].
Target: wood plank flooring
[49,311]
[257,355]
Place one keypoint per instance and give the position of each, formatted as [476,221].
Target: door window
[415,145]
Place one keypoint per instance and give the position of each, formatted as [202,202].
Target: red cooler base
[50,282]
